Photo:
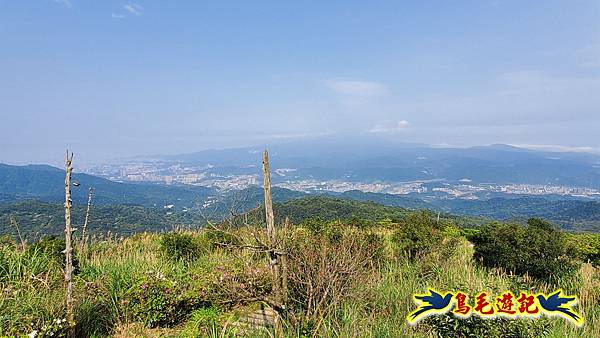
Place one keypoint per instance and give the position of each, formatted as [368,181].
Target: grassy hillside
[343,281]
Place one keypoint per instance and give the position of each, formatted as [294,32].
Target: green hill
[38,218]
[46,183]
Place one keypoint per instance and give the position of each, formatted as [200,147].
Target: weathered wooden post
[68,237]
[279,285]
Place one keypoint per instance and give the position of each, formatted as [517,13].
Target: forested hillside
[36,219]
[46,183]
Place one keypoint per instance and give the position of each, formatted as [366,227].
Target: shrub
[233,286]
[203,323]
[323,272]
[419,234]
[53,247]
[475,326]
[586,246]
[216,238]
[539,249]
[180,246]
[157,301]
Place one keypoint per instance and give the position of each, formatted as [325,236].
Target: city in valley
[224,179]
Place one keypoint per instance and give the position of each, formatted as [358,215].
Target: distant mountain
[46,183]
[570,214]
[368,160]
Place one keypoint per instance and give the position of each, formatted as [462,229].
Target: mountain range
[368,159]
[46,183]
[344,161]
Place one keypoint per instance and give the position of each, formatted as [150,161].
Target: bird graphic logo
[558,304]
[430,304]
[487,305]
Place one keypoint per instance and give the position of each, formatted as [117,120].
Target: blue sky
[144,77]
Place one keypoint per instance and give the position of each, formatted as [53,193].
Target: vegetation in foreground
[345,279]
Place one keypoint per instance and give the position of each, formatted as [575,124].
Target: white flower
[32,334]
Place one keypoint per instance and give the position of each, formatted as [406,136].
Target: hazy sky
[116,78]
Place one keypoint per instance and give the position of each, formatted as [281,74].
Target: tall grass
[32,293]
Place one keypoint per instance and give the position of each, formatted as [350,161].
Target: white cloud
[117,16]
[356,87]
[389,127]
[133,8]
[66,3]
[557,148]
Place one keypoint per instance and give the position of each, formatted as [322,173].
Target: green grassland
[349,275]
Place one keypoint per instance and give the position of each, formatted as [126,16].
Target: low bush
[157,301]
[216,239]
[539,249]
[53,247]
[586,246]
[203,323]
[234,286]
[474,326]
[421,234]
[180,246]
[325,271]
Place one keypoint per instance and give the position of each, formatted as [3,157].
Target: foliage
[37,219]
[216,238]
[202,323]
[345,280]
[538,250]
[53,247]
[586,246]
[324,269]
[55,328]
[178,245]
[420,234]
[157,301]
[474,326]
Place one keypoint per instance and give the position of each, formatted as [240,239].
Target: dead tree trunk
[87,219]
[68,237]
[269,217]
[279,286]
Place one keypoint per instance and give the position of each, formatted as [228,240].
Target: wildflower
[32,334]
[144,286]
